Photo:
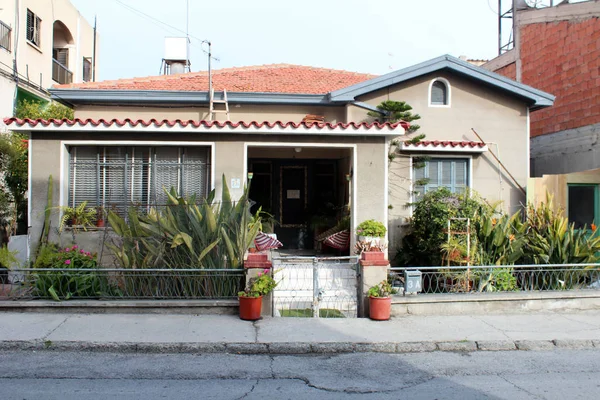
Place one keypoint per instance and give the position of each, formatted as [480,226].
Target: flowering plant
[382,289]
[260,285]
[371,228]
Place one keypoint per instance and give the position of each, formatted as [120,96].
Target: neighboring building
[557,49]
[42,43]
[132,137]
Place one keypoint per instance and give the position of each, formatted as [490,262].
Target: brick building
[557,49]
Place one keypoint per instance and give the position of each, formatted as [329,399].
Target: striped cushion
[340,240]
[266,242]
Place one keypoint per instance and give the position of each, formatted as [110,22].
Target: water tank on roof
[176,58]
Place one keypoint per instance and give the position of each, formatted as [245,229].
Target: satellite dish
[521,5]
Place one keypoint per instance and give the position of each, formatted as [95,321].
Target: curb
[298,347]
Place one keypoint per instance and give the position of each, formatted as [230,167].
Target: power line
[167,26]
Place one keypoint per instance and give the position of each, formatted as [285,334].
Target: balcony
[60,73]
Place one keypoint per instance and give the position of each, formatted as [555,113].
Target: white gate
[315,287]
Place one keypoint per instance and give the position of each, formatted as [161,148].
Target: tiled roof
[445,145]
[191,124]
[273,78]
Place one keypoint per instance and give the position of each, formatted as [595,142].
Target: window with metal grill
[34,24]
[5,36]
[451,173]
[117,178]
[439,94]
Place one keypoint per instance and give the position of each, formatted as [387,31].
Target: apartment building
[42,43]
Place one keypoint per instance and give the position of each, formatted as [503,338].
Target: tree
[38,110]
[13,182]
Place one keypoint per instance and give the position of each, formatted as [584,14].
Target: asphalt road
[558,374]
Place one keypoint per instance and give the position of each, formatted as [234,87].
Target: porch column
[373,269]
[254,264]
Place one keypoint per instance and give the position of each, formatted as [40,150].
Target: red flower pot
[380,308]
[250,308]
[100,223]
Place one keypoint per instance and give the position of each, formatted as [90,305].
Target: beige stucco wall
[36,60]
[556,186]
[238,112]
[368,179]
[501,121]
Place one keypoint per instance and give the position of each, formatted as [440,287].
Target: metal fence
[121,284]
[60,73]
[501,278]
[315,287]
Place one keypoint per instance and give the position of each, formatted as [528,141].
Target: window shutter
[83,176]
[196,171]
[62,56]
[439,93]
[460,175]
[30,25]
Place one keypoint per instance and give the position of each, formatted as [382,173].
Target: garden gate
[319,287]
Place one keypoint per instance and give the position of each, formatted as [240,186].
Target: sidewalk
[226,333]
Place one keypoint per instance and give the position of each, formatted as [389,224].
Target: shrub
[428,226]
[371,228]
[64,284]
[260,285]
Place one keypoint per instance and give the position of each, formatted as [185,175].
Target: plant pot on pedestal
[380,308]
[250,308]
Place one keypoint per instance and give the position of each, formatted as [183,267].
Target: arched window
[439,93]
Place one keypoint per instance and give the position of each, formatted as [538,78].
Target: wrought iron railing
[121,284]
[61,73]
[501,278]
[5,36]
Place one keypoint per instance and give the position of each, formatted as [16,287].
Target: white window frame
[64,158]
[448,93]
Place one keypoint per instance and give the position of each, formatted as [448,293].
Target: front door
[293,196]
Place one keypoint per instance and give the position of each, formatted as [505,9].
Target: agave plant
[186,235]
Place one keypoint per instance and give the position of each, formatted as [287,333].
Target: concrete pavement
[226,333]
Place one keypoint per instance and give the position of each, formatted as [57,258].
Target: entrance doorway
[305,190]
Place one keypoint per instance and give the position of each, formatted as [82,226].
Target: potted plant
[370,231]
[380,301]
[81,216]
[251,297]
[8,259]
[100,217]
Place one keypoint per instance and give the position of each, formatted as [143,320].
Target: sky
[372,36]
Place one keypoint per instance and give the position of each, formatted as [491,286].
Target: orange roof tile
[273,78]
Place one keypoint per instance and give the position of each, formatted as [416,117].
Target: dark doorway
[306,196]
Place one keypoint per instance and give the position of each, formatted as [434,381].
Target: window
[119,177]
[33,28]
[451,173]
[583,204]
[5,32]
[439,93]
[87,69]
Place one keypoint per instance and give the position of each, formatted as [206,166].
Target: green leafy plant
[371,228]
[428,226]
[38,110]
[13,183]
[80,216]
[8,259]
[382,289]
[61,277]
[497,280]
[186,235]
[265,220]
[260,285]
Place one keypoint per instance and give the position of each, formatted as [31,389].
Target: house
[557,49]
[132,137]
[42,43]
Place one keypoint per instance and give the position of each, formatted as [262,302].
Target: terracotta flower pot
[250,308]
[100,223]
[380,308]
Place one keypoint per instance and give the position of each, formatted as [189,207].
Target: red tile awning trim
[242,126]
[445,145]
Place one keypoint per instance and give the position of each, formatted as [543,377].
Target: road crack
[54,330]
[250,391]
[520,388]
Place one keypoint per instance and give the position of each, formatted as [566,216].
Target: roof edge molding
[217,127]
[445,146]
[110,96]
[537,98]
